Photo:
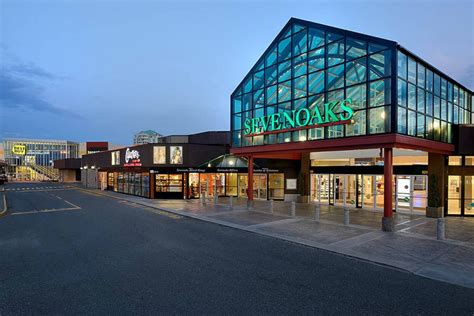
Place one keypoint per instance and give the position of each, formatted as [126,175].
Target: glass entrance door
[260,186]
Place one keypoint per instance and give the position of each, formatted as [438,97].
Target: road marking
[48,210]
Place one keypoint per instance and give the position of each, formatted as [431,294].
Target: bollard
[203,198]
[440,229]
[231,203]
[271,206]
[293,209]
[317,211]
[216,198]
[346,216]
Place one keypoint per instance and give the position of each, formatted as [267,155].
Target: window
[455,160]
[115,158]
[412,123]
[402,65]
[402,92]
[299,87]
[469,161]
[315,38]
[300,41]
[411,96]
[159,153]
[169,183]
[358,96]
[402,120]
[316,82]
[356,71]
[335,53]
[316,60]
[379,65]
[411,70]
[284,49]
[378,119]
[284,91]
[335,77]
[379,93]
[359,126]
[284,71]
[355,48]
[176,155]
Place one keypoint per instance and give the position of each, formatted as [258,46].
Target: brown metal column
[387,220]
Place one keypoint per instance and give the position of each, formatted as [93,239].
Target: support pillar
[387,220]
[250,183]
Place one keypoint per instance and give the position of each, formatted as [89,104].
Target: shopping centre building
[183,167]
[32,159]
[367,122]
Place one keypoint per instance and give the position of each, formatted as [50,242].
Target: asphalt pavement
[66,251]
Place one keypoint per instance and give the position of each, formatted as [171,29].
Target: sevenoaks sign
[335,113]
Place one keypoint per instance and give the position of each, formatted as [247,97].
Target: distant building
[32,159]
[146,137]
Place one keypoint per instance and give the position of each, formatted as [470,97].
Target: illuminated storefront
[370,106]
[183,167]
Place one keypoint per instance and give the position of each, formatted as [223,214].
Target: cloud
[20,93]
[29,70]
[20,88]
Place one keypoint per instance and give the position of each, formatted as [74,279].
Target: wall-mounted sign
[335,113]
[19,149]
[132,158]
[291,184]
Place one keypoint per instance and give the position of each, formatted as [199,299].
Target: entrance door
[260,186]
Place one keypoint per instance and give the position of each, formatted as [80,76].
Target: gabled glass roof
[299,37]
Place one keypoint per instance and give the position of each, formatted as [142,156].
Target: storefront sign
[132,158]
[300,119]
[19,149]
[190,170]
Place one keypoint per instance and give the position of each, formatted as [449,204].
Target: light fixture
[209,165]
[93,167]
[287,140]
[85,167]
[382,115]
[302,138]
[231,162]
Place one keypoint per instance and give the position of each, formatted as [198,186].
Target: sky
[104,70]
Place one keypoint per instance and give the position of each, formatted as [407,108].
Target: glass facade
[309,65]
[429,103]
[30,159]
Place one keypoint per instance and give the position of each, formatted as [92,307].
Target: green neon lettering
[348,110]
[328,112]
[255,125]
[265,122]
[290,119]
[276,125]
[307,117]
[247,126]
[316,116]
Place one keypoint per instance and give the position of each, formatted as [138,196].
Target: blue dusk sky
[103,70]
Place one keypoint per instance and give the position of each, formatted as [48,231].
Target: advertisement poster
[176,155]
[159,155]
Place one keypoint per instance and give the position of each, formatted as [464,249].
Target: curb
[4,212]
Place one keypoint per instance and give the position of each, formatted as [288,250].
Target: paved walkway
[413,247]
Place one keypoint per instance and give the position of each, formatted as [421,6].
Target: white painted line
[48,211]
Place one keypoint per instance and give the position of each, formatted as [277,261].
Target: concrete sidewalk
[413,247]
